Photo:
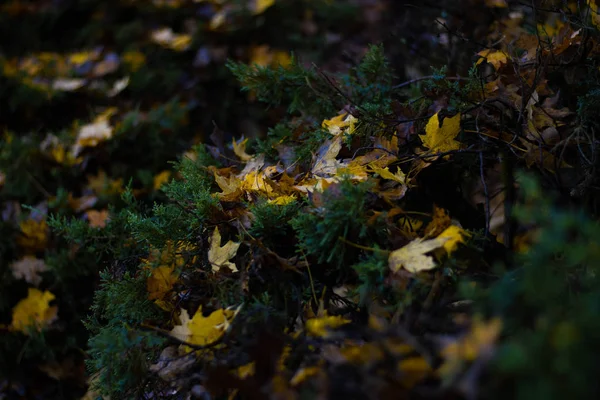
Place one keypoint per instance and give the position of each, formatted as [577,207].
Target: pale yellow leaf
[413,258]
[218,255]
[29,268]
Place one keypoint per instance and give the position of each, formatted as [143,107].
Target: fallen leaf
[218,255]
[261,5]
[239,148]
[34,311]
[92,134]
[385,173]
[34,235]
[28,268]
[161,281]
[497,58]
[320,325]
[161,179]
[440,139]
[201,330]
[343,123]
[413,256]
[166,38]
[454,236]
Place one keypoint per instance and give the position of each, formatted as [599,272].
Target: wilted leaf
[34,311]
[218,255]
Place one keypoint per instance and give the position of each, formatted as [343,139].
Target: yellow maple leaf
[320,325]
[343,123]
[201,330]
[497,58]
[454,236]
[441,139]
[413,257]
[239,148]
[385,173]
[161,281]
[34,311]
[282,200]
[256,181]
[34,235]
[218,255]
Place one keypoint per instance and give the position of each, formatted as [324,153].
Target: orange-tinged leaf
[440,139]
[34,311]
[97,219]
[440,221]
[218,255]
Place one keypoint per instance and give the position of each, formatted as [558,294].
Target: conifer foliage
[370,230]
